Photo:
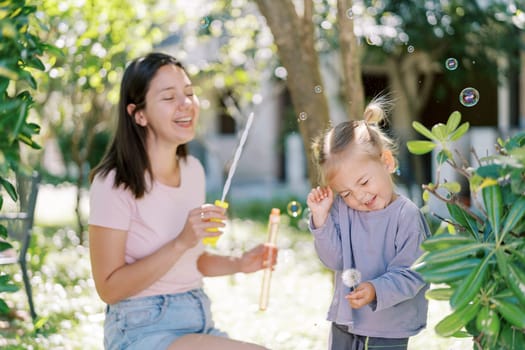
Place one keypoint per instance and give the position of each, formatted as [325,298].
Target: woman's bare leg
[205,342]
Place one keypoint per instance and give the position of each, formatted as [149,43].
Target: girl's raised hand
[320,201]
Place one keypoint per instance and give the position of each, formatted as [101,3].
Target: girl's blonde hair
[364,133]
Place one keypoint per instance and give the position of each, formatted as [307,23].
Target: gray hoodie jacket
[382,245]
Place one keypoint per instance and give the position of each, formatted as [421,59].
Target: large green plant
[479,263]
[19,53]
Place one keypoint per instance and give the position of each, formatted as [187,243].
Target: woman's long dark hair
[127,153]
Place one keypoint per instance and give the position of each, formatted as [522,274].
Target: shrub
[479,261]
[19,51]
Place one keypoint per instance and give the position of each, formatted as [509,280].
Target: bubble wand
[273,228]
[222,203]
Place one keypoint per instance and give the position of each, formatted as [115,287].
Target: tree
[295,40]
[77,102]
[20,52]
[410,41]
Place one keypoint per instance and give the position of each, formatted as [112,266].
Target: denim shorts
[154,322]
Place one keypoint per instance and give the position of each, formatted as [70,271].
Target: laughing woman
[148,217]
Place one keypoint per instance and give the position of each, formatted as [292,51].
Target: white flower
[351,277]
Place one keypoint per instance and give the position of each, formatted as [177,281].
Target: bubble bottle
[212,240]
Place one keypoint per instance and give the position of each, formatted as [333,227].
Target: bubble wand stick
[273,228]
[221,203]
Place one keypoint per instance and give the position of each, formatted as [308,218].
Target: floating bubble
[303,116]
[451,63]
[280,72]
[469,97]
[294,209]
[318,89]
[410,49]
[350,13]
[204,22]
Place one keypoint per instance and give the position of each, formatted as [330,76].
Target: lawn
[71,315]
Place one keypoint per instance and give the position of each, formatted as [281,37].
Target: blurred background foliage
[408,42]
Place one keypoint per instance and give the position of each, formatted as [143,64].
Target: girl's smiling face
[363,181]
[171,111]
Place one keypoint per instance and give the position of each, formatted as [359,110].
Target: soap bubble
[451,63]
[410,49]
[303,116]
[294,209]
[350,13]
[318,89]
[469,97]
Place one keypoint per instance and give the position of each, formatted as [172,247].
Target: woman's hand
[197,223]
[260,257]
[320,200]
[364,294]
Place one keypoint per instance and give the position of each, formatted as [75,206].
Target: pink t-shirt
[152,221]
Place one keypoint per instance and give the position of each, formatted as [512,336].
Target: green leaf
[493,201]
[420,147]
[456,135]
[439,293]
[516,281]
[4,309]
[4,245]
[11,191]
[511,312]
[470,286]
[453,187]
[420,128]
[443,156]
[3,231]
[444,241]
[448,273]
[453,253]
[453,121]
[8,288]
[516,213]
[425,196]
[516,181]
[489,170]
[440,131]
[510,338]
[464,219]
[458,319]
[35,62]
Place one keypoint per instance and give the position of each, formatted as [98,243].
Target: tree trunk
[353,82]
[411,79]
[294,38]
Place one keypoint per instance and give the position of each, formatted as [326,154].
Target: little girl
[360,222]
